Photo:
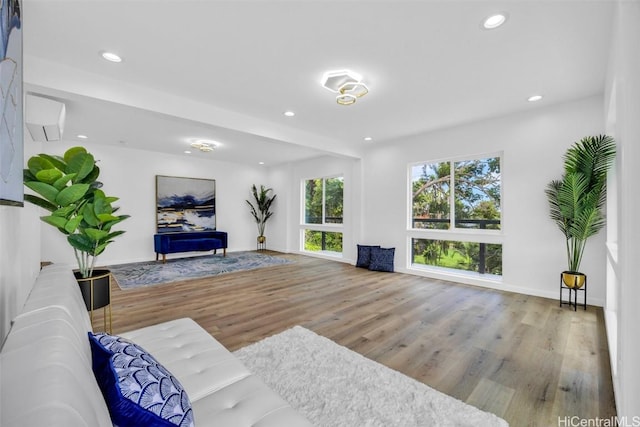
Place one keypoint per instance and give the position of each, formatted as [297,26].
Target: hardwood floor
[521,357]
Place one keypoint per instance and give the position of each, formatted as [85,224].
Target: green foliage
[313,241]
[67,187]
[458,255]
[329,191]
[476,190]
[576,202]
[313,201]
[261,212]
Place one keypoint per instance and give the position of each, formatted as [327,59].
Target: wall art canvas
[11,123]
[185,204]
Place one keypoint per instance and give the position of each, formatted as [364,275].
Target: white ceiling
[227,70]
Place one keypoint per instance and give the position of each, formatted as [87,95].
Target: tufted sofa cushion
[221,388]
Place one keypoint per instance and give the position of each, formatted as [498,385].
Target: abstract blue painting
[185,204]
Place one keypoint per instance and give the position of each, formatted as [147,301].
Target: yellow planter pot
[573,279]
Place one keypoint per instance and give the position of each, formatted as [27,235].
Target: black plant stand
[573,291]
[96,292]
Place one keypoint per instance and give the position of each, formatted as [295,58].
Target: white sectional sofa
[46,376]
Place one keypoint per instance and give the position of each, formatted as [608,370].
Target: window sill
[454,275]
[324,254]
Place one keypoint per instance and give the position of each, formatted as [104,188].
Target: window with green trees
[323,200]
[323,205]
[322,241]
[474,201]
[457,195]
[483,258]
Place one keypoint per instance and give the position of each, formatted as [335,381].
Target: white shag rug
[334,387]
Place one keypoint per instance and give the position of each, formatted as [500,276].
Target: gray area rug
[333,386]
[149,273]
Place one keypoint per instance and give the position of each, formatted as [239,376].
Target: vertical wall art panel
[11,124]
[185,204]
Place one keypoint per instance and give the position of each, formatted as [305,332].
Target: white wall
[622,314]
[533,144]
[19,256]
[19,260]
[130,175]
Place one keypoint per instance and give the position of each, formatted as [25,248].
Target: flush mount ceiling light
[205,146]
[347,84]
[346,99]
[494,21]
[111,57]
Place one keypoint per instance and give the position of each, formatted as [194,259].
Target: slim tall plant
[577,200]
[67,187]
[261,211]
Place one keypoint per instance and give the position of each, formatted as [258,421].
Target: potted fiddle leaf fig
[68,188]
[261,211]
[577,200]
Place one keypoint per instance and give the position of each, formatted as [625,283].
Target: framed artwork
[11,122]
[185,204]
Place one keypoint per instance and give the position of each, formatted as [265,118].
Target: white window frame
[324,226]
[453,233]
[452,225]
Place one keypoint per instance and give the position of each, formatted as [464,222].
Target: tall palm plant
[262,210]
[577,200]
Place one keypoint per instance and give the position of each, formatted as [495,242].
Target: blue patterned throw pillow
[138,390]
[364,256]
[382,259]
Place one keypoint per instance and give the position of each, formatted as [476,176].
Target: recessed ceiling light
[82,136]
[289,113]
[368,138]
[261,163]
[187,152]
[534,98]
[110,56]
[494,21]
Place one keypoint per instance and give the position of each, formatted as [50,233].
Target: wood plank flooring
[521,357]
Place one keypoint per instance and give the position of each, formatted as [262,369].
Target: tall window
[323,215]
[457,196]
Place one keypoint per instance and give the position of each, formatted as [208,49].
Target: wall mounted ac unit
[44,118]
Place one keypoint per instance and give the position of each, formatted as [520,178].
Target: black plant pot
[96,290]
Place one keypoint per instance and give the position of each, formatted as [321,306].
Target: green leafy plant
[67,187]
[261,210]
[577,200]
